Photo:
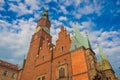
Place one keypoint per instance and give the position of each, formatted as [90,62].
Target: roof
[8,65]
[79,40]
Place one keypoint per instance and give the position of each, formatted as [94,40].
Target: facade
[8,71]
[70,59]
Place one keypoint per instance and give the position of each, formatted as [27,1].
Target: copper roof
[8,65]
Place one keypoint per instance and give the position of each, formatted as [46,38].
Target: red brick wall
[36,67]
[59,55]
[33,53]
[79,66]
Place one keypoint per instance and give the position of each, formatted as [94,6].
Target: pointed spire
[82,40]
[88,39]
[45,14]
[102,56]
[103,60]
[78,39]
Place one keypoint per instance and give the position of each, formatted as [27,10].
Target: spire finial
[88,39]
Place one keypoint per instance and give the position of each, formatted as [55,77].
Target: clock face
[37,29]
[46,29]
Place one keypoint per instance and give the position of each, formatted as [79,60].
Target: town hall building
[71,58]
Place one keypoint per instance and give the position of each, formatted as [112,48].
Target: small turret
[104,63]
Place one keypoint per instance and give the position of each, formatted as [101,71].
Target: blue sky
[100,18]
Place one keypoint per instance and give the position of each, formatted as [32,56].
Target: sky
[99,18]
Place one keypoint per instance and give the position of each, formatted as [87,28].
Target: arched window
[61,73]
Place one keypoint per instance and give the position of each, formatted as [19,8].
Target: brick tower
[40,38]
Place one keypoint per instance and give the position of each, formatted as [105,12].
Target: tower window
[61,73]
[62,48]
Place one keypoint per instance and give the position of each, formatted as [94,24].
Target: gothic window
[5,73]
[61,73]
[62,48]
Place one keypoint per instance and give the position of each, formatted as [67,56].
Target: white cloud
[83,25]
[4,23]
[34,4]
[21,9]
[55,28]
[2,3]
[63,9]
[17,43]
[77,2]
[56,23]
[28,7]
[62,18]
[109,46]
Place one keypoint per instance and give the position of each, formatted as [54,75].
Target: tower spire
[102,56]
[103,60]
[88,39]
[78,39]
[45,14]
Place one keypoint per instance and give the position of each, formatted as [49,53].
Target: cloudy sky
[100,18]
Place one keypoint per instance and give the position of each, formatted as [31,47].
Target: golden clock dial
[37,29]
[46,29]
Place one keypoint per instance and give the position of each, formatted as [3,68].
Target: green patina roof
[79,40]
[104,63]
[45,14]
[102,56]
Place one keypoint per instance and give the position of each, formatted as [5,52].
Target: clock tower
[44,23]
[39,38]
[43,28]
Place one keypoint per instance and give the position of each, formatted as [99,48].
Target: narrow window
[62,73]
[62,48]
